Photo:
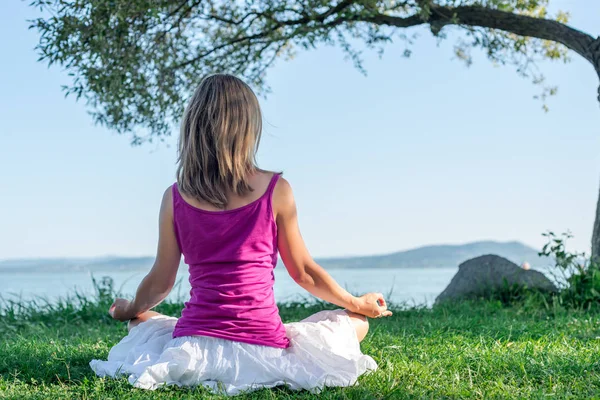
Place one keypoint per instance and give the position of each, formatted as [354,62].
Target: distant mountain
[438,256]
[441,256]
[112,263]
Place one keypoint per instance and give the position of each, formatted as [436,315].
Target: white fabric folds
[324,351]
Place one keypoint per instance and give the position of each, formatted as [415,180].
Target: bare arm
[157,284]
[304,270]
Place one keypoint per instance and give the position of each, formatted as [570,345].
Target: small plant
[104,288]
[509,295]
[581,276]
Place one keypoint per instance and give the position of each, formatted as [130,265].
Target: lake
[400,285]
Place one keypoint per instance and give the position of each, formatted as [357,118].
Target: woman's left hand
[121,310]
[372,305]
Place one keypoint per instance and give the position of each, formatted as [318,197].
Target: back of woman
[231,255]
[230,219]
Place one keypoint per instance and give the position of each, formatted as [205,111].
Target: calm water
[406,285]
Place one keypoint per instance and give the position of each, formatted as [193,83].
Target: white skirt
[323,351]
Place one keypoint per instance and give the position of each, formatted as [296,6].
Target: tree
[596,233]
[134,61]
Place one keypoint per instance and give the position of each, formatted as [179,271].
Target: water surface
[400,285]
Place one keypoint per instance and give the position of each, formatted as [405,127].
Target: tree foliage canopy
[135,61]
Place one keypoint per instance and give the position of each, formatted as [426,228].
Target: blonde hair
[220,134]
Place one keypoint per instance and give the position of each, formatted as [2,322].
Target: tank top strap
[270,190]
[272,184]
[175,194]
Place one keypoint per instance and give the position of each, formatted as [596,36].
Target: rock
[478,276]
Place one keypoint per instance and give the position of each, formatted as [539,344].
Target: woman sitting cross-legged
[230,220]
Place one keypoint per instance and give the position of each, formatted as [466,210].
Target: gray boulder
[480,275]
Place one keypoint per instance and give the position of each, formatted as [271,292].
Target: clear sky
[420,151]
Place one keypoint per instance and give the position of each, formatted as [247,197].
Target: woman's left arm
[160,280]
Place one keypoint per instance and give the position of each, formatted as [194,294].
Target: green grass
[465,350]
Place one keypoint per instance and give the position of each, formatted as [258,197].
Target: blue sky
[420,151]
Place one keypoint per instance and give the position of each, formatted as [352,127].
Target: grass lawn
[466,350]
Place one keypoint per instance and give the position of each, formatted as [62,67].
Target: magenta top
[231,256]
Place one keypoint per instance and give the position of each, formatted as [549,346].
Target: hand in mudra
[120,310]
[373,305]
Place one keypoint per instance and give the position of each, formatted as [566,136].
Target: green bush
[517,295]
[580,286]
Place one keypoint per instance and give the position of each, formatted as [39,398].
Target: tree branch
[523,25]
[263,34]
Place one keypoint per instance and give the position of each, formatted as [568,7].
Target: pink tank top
[231,256]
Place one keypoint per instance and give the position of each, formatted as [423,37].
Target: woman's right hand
[121,310]
[372,305]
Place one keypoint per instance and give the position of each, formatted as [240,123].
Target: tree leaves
[136,62]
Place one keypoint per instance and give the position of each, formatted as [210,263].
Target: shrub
[580,286]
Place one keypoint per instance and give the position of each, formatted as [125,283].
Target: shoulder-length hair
[219,137]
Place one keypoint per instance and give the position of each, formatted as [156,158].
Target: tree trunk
[596,233]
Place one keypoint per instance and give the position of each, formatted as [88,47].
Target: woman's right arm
[304,270]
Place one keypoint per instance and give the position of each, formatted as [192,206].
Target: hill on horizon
[434,256]
[442,256]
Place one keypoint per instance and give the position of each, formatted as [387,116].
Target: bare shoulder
[283,187]
[167,200]
[283,196]
[168,194]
